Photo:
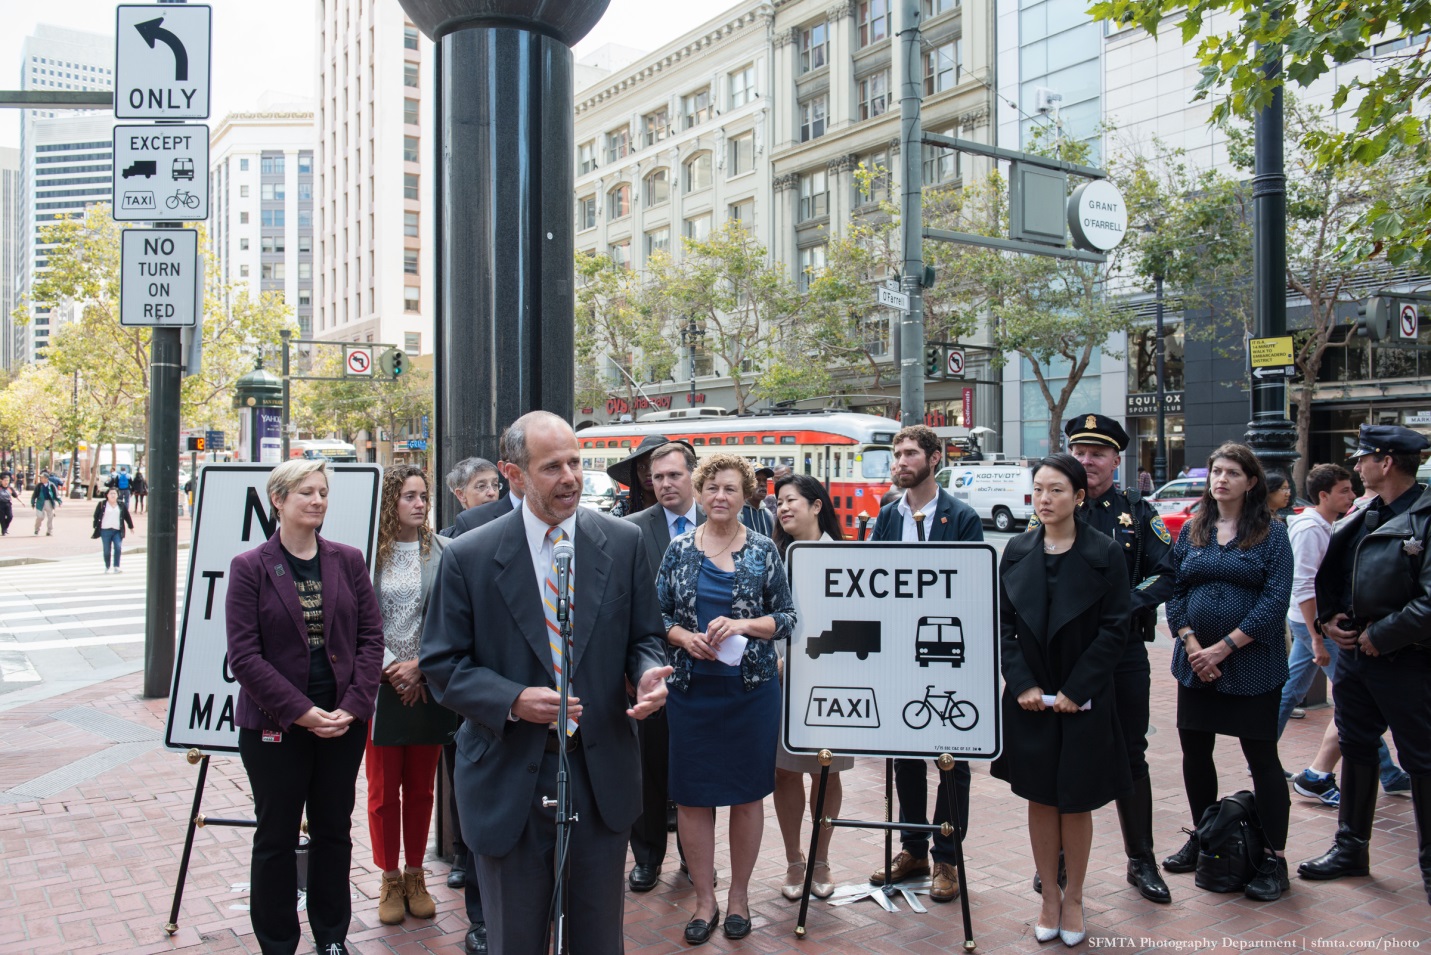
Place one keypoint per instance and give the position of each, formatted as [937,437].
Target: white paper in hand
[731,649]
[1049,700]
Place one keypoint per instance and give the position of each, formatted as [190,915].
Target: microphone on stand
[563,552]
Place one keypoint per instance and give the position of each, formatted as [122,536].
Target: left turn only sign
[161,61]
[159,277]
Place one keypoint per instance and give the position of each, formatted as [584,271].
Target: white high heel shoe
[1074,938]
[1045,934]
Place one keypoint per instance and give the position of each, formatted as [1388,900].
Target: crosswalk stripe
[66,612]
[74,625]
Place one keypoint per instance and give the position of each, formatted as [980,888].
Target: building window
[812,263]
[620,253]
[305,270]
[305,164]
[814,195]
[409,75]
[742,153]
[409,112]
[305,296]
[941,67]
[411,298]
[618,202]
[409,185]
[940,164]
[874,21]
[814,46]
[932,8]
[409,261]
[812,118]
[409,149]
[271,166]
[305,243]
[243,192]
[409,224]
[243,245]
[273,218]
[243,218]
[742,86]
[273,243]
[698,172]
[742,213]
[305,191]
[272,190]
[656,126]
[412,342]
[878,189]
[696,107]
[658,240]
[585,158]
[585,213]
[698,228]
[305,218]
[658,188]
[243,271]
[618,144]
[243,165]
[874,94]
[275,271]
[409,38]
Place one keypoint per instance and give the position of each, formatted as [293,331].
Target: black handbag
[426,723]
[1231,844]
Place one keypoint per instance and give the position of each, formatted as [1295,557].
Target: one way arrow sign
[161,61]
[1281,371]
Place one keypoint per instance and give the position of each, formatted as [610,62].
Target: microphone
[562,553]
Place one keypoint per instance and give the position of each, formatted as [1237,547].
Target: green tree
[618,317]
[1385,42]
[350,405]
[35,410]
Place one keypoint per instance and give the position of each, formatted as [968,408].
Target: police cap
[1096,429]
[1388,439]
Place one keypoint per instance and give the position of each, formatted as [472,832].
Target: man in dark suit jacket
[675,513]
[917,455]
[504,683]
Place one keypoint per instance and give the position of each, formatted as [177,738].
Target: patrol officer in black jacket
[1096,441]
[1374,600]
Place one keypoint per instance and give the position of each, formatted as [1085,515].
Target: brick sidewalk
[92,827]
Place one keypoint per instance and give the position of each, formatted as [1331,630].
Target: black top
[1336,569]
[308,578]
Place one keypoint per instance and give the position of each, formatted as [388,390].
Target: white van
[1001,494]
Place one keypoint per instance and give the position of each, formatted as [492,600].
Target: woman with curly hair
[724,599]
[401,779]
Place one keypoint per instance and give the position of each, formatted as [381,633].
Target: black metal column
[504,182]
[162,555]
[1270,433]
[1160,449]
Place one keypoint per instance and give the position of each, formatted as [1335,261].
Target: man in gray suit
[675,513]
[504,684]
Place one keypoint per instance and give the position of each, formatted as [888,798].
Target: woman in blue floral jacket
[724,598]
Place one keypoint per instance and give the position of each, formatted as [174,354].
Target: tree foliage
[618,317]
[1386,90]
[346,406]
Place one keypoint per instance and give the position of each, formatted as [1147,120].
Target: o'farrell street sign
[159,277]
[1097,216]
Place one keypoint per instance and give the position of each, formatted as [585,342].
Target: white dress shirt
[671,516]
[540,547]
[911,532]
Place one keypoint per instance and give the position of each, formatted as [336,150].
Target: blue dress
[723,737]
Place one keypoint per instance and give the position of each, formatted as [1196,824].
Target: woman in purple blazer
[305,642]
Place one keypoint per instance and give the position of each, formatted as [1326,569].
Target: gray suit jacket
[486,577]
[657,533]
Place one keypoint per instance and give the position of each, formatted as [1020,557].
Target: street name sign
[890,298]
[896,650]
[1270,352]
[1407,321]
[161,172]
[1097,216]
[231,516]
[159,277]
[161,61]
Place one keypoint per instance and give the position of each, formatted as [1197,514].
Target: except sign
[1270,352]
[1409,319]
[161,172]
[1097,216]
[357,360]
[161,61]
[159,277]
[896,652]
[232,516]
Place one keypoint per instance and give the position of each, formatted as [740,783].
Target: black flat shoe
[736,926]
[698,931]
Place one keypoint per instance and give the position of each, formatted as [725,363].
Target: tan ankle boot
[391,910]
[419,902]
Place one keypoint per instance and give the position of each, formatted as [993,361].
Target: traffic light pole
[911,213]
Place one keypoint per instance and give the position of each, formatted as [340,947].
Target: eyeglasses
[486,486]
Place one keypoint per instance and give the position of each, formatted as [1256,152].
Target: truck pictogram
[860,637]
[142,167]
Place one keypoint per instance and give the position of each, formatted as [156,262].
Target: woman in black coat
[1064,601]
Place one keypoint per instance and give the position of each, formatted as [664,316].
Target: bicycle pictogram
[960,714]
[182,196]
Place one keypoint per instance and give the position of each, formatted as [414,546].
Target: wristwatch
[1231,643]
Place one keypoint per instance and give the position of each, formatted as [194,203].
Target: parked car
[1001,494]
[1174,522]
[1177,494]
[598,491]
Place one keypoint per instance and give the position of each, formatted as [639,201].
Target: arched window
[658,187]
[698,172]
[618,202]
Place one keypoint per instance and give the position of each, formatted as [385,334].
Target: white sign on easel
[896,653]
[231,516]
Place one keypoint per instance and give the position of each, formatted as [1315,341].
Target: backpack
[123,481]
[1231,844]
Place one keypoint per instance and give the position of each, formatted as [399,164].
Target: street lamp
[691,334]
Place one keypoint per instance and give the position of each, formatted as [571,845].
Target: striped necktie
[555,536]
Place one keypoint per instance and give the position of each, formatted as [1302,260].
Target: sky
[269,44]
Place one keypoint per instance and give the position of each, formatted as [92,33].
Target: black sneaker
[1270,882]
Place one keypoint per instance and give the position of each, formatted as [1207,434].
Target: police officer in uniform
[1374,600]
[1097,441]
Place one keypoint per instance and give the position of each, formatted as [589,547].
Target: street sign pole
[911,211]
[165,357]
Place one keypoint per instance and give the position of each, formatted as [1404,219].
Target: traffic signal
[934,361]
[393,362]
[196,443]
[1375,315]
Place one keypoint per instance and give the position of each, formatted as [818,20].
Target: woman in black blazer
[110,516]
[1064,618]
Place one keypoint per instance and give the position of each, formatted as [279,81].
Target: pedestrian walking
[141,491]
[305,644]
[402,775]
[110,517]
[7,504]
[1064,615]
[1233,582]
[44,499]
[1145,482]
[1374,600]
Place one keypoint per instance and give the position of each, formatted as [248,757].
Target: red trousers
[400,786]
